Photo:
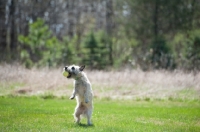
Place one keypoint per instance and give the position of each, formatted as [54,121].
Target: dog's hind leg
[89,115]
[77,114]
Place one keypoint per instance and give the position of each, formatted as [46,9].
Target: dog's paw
[86,101]
[72,97]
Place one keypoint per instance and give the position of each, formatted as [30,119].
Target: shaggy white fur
[82,91]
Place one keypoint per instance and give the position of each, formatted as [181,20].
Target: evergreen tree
[96,51]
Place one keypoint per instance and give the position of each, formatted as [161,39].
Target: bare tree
[109,26]
[12,27]
[3,30]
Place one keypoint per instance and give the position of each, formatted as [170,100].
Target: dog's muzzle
[70,74]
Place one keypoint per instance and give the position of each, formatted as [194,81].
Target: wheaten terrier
[82,91]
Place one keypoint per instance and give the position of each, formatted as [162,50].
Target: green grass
[35,114]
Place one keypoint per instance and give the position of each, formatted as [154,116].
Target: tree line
[146,34]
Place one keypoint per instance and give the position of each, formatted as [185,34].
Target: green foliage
[41,48]
[68,51]
[91,55]
[159,53]
[104,42]
[186,50]
[193,52]
[131,36]
[124,50]
[148,20]
[96,51]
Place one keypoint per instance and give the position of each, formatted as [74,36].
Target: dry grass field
[127,84]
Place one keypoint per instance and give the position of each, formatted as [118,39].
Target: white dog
[82,91]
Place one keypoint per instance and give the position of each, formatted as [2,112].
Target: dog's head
[74,71]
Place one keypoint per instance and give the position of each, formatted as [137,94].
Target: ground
[55,114]
[129,100]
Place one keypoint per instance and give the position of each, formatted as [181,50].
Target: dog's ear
[66,68]
[82,67]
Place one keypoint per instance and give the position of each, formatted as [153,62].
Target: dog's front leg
[73,94]
[86,97]
[86,94]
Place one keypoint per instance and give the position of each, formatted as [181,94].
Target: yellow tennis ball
[65,73]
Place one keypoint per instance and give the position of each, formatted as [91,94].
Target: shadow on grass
[84,125]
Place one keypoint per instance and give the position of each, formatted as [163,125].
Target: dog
[82,91]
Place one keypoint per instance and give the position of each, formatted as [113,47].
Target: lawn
[35,114]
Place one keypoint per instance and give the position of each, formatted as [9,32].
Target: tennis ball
[65,73]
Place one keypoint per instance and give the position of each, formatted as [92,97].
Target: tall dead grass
[15,79]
